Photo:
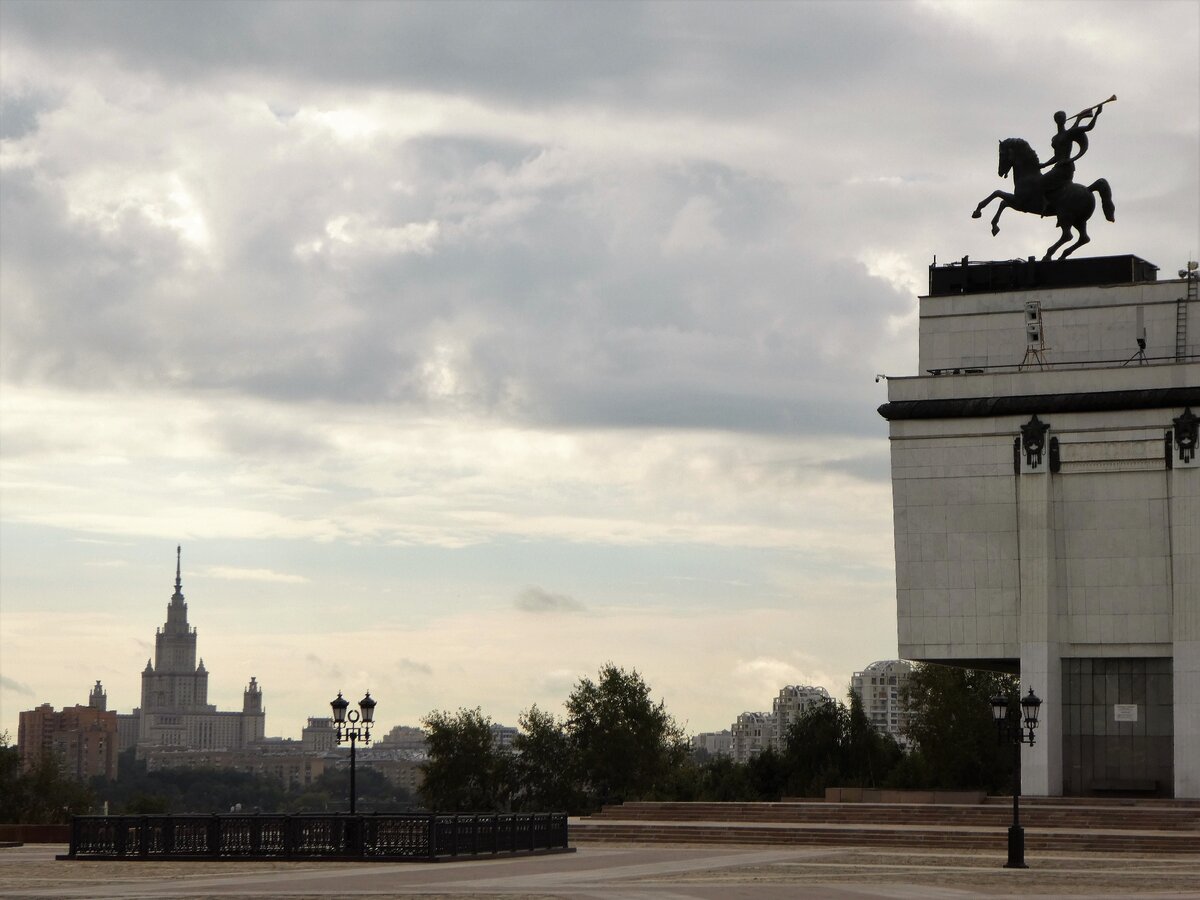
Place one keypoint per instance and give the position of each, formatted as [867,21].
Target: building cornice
[1041,404]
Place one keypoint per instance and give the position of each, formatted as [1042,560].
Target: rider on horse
[1055,192]
[1062,144]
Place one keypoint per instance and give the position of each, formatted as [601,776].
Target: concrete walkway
[608,872]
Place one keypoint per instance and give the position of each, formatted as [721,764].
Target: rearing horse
[1073,203]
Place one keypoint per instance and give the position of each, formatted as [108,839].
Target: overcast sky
[466,347]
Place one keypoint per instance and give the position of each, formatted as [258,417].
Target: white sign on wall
[1125,712]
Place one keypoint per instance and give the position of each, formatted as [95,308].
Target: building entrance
[1118,730]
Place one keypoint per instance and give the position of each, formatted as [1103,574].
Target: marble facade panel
[1115,556]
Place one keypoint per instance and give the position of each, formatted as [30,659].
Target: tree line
[616,744]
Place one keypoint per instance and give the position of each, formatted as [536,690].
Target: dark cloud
[11,684]
[509,49]
[712,58]
[19,113]
[538,600]
[413,667]
[330,670]
[549,321]
[470,272]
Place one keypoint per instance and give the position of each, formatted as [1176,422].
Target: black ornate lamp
[1187,434]
[1031,705]
[1023,731]
[353,726]
[999,709]
[339,708]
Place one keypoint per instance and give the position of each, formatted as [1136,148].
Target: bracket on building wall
[1055,459]
[1169,448]
[1187,432]
[1033,442]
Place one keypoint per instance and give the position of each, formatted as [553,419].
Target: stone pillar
[1041,668]
[1184,493]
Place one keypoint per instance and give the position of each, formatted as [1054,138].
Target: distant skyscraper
[175,712]
[97,699]
[753,733]
[793,702]
[880,686]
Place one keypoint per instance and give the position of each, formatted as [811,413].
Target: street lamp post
[352,727]
[1022,732]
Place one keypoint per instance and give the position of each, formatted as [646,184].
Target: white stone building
[793,702]
[880,686]
[1046,490]
[753,733]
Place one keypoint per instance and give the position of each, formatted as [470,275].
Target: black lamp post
[354,726]
[1022,732]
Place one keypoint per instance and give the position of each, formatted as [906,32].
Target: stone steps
[926,839]
[1159,818]
[1113,826]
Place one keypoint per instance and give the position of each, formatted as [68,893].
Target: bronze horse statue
[1072,204]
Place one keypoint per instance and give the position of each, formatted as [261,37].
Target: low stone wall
[874,795]
[35,834]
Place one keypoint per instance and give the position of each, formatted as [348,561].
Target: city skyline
[466,348]
[194,699]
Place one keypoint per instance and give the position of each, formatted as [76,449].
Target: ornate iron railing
[373,836]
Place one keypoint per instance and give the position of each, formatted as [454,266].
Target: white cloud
[235,573]
[694,229]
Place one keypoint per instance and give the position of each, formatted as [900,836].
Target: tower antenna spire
[178,582]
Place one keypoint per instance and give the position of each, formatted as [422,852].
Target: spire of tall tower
[177,608]
[97,699]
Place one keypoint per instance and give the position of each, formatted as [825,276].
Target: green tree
[951,728]
[545,765]
[466,771]
[43,794]
[767,773]
[14,787]
[330,792]
[815,749]
[203,790]
[872,754]
[723,780]
[833,745]
[627,745]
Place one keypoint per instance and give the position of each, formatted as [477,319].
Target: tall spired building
[175,682]
[175,712]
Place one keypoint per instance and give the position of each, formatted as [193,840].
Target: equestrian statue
[1054,193]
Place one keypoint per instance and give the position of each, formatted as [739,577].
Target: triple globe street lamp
[1021,731]
[353,726]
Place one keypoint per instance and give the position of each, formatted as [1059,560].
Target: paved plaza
[608,872]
